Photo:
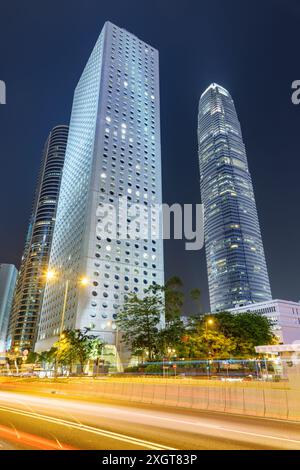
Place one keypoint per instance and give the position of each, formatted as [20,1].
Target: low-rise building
[285,315]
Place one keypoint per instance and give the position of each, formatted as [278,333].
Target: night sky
[250,47]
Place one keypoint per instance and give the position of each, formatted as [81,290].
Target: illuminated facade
[8,277]
[237,272]
[31,280]
[113,151]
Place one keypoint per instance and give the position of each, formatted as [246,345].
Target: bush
[153,369]
[132,369]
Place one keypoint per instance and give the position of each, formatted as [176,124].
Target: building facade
[237,272]
[284,314]
[113,155]
[31,280]
[8,277]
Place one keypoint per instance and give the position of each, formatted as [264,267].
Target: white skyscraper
[113,152]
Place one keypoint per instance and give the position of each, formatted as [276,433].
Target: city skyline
[273,99]
[149,251]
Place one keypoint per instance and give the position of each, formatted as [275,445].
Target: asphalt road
[38,422]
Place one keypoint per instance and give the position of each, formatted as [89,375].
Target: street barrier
[225,397]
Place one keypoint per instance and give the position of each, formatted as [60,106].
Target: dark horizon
[244,48]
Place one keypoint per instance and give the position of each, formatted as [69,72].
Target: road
[38,422]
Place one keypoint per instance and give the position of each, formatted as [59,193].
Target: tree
[202,343]
[139,321]
[170,337]
[65,354]
[210,344]
[245,330]
[48,358]
[95,349]
[32,358]
[77,346]
[174,298]
[249,328]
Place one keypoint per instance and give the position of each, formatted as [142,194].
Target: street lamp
[208,322]
[83,281]
[50,275]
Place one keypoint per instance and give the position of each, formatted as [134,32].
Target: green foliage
[174,298]
[32,358]
[132,369]
[250,329]
[76,346]
[139,321]
[47,357]
[207,344]
[153,368]
[234,335]
[170,337]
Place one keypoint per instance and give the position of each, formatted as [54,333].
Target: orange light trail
[31,440]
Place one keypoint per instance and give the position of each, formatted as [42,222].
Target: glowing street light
[50,275]
[82,281]
[208,323]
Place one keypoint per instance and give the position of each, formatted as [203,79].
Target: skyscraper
[113,152]
[237,272]
[31,280]
[8,277]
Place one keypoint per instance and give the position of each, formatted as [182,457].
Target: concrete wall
[261,401]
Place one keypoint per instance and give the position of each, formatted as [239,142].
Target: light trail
[86,428]
[31,440]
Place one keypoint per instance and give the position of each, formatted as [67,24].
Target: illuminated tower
[113,151]
[8,277]
[31,280]
[237,272]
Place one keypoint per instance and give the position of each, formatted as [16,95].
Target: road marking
[91,429]
[221,428]
[216,427]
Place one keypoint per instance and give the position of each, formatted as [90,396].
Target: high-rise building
[113,152]
[31,280]
[237,272]
[8,277]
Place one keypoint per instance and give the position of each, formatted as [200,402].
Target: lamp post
[52,275]
[208,322]
[16,351]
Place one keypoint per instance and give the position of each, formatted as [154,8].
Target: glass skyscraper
[8,277]
[113,152]
[237,272]
[31,279]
